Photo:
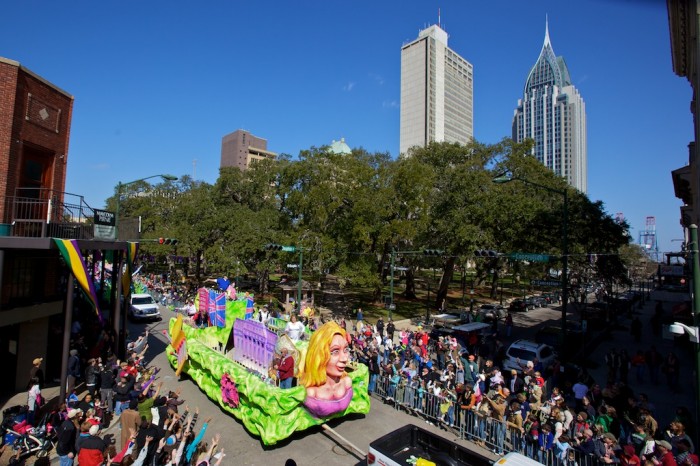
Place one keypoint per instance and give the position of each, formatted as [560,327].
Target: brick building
[240,149]
[35,122]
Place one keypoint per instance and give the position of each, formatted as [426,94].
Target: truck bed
[412,440]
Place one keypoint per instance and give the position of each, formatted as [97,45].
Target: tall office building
[240,149]
[437,92]
[553,114]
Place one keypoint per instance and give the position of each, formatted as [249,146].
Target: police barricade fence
[472,425]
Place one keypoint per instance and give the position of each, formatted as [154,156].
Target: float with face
[238,377]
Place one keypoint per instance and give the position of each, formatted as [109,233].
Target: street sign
[526,256]
[401,269]
[545,283]
[289,248]
[292,266]
[392,307]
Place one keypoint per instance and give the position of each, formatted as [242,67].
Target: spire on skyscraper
[553,114]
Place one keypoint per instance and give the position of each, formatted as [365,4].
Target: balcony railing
[42,213]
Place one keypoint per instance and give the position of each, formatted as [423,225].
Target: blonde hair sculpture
[319,353]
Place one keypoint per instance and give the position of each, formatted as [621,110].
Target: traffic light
[485,253]
[433,252]
[168,241]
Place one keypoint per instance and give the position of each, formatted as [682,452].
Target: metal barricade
[472,425]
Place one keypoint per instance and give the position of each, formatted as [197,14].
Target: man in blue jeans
[498,410]
[373,366]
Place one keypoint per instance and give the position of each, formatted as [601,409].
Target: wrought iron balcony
[42,213]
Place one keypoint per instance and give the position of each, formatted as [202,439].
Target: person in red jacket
[664,456]
[92,448]
[286,369]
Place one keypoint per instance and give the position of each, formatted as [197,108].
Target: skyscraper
[437,92]
[553,114]
[240,149]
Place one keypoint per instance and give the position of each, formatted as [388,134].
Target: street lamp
[695,264]
[120,185]
[505,178]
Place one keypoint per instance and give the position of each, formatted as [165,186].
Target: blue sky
[157,84]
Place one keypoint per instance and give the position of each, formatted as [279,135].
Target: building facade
[437,92]
[36,302]
[240,149]
[553,114]
[684,24]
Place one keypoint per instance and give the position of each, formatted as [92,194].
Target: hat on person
[94,430]
[610,436]
[37,361]
[629,450]
[664,443]
[74,352]
[74,412]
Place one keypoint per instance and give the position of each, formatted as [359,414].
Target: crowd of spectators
[536,411]
[156,429]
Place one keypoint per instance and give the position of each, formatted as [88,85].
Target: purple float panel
[254,344]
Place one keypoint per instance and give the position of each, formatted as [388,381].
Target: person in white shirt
[264,315]
[294,329]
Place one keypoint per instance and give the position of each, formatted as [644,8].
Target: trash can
[5,229]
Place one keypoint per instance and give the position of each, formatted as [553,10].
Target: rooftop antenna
[439,18]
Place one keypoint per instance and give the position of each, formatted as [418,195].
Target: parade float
[241,380]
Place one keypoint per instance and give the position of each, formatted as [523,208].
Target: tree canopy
[350,212]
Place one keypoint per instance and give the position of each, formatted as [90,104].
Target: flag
[218,316]
[74,259]
[203,300]
[212,306]
[132,249]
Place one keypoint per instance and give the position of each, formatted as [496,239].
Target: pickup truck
[411,444]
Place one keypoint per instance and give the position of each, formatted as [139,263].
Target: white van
[516,459]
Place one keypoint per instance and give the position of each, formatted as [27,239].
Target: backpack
[39,401]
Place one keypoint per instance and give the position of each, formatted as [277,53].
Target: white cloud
[390,104]
[378,79]
[348,87]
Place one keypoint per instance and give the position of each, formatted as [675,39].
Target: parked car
[533,302]
[492,311]
[521,351]
[540,301]
[518,305]
[552,297]
[143,307]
